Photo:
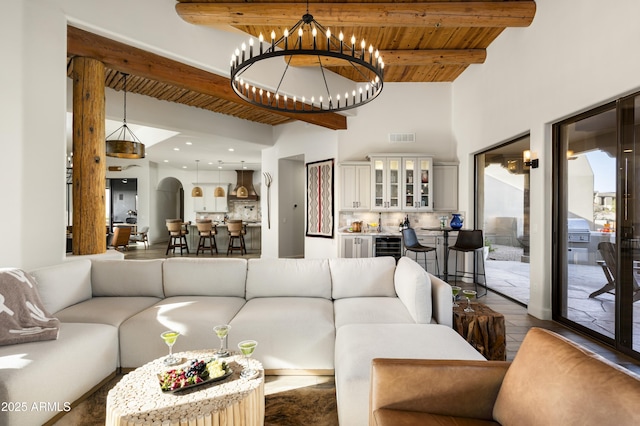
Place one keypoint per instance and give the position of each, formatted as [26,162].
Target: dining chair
[120,237]
[470,241]
[142,236]
[207,233]
[411,243]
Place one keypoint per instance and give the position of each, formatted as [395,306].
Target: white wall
[575,55]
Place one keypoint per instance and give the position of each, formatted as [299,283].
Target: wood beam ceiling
[138,62]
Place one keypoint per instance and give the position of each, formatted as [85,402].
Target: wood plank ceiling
[420,41]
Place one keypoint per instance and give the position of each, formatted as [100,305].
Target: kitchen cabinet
[208,203]
[445,187]
[417,184]
[386,181]
[352,246]
[355,185]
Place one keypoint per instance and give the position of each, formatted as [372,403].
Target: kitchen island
[252,239]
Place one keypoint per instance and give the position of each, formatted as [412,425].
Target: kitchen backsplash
[246,210]
[393,219]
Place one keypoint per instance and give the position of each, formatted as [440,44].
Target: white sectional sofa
[310,316]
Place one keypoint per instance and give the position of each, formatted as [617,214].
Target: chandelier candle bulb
[286,39]
[261,39]
[314,33]
[250,48]
[273,41]
[341,37]
[328,40]
[244,48]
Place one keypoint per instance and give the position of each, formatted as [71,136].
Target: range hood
[245,178]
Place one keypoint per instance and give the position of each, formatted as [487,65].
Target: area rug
[311,405]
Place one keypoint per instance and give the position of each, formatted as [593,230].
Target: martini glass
[469,294]
[455,290]
[247,347]
[170,338]
[221,332]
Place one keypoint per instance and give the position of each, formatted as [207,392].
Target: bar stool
[177,236]
[411,243]
[235,234]
[207,232]
[471,241]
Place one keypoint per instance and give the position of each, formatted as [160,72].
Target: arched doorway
[169,204]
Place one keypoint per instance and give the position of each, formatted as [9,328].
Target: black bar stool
[471,241]
[411,243]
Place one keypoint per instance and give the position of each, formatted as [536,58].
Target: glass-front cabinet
[417,193]
[386,180]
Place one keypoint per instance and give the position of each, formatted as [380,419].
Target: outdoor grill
[578,231]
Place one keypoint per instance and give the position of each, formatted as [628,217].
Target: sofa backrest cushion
[553,381]
[127,277]
[413,285]
[362,277]
[288,278]
[205,277]
[64,285]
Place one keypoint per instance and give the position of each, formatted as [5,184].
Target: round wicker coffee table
[138,400]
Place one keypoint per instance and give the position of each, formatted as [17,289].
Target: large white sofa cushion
[293,333]
[371,310]
[127,277]
[204,277]
[358,344]
[363,277]
[106,310]
[64,285]
[193,316]
[413,286]
[288,278]
[55,372]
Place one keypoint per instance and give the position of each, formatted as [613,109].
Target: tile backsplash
[394,219]
[245,210]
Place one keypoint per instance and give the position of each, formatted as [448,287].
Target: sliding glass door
[596,233]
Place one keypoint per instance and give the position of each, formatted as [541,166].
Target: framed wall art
[320,182]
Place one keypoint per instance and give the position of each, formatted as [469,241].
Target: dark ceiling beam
[138,62]
[419,14]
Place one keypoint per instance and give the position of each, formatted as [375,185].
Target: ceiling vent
[402,137]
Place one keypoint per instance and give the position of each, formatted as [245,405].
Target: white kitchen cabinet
[386,181]
[417,184]
[355,184]
[208,203]
[445,187]
[356,246]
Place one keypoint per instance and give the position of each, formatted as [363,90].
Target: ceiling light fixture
[125,144]
[242,191]
[219,191]
[307,38]
[196,191]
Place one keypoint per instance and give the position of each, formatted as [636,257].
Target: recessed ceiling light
[176,149]
[231,149]
[189,143]
[210,163]
[166,161]
[184,167]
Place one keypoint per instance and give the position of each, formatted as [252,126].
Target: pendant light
[125,144]
[219,191]
[242,190]
[196,191]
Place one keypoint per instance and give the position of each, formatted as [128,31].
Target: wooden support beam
[145,64]
[89,157]
[404,58]
[418,14]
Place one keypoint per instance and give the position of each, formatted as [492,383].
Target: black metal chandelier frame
[368,59]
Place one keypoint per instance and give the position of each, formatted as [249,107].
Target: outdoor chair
[609,266]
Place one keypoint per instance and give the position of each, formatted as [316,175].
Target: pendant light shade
[242,191]
[196,191]
[219,191]
[122,143]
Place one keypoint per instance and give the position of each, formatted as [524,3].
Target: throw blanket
[22,315]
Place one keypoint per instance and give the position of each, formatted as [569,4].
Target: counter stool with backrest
[177,236]
[207,232]
[470,241]
[411,243]
[235,234]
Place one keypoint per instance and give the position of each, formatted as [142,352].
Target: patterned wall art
[320,198]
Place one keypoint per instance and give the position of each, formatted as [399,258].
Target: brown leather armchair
[552,381]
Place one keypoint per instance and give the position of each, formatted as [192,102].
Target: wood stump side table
[484,329]
[138,400]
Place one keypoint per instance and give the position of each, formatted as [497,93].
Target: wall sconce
[530,159]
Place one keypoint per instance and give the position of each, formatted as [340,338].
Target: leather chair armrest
[445,387]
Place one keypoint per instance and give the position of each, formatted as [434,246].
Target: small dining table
[445,244]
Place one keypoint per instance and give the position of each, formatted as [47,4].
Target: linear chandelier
[308,38]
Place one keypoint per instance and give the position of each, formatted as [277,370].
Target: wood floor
[517,320]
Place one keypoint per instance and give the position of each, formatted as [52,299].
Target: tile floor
[517,320]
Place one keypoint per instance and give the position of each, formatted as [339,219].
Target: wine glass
[455,290]
[469,294]
[221,332]
[170,338]
[247,347]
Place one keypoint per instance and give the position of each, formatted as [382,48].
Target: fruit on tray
[196,372]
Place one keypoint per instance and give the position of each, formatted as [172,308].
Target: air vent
[402,137]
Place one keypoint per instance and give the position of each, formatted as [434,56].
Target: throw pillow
[23,317]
